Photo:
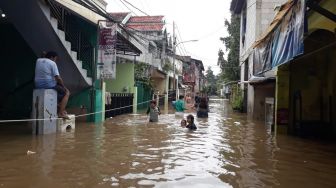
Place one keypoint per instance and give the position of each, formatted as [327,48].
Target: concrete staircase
[32,19]
[67,45]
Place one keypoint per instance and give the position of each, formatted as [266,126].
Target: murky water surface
[227,150]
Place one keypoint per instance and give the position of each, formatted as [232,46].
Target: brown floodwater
[227,150]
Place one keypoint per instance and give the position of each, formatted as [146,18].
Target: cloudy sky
[195,20]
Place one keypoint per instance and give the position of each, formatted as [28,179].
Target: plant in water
[237,98]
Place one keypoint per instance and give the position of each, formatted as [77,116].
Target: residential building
[43,28]
[193,73]
[295,50]
[256,15]
[306,85]
[70,29]
[150,35]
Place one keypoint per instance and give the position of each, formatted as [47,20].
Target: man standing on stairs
[48,77]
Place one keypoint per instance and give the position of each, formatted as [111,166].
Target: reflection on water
[227,150]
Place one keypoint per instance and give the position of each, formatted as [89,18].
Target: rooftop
[146,19]
[146,23]
[119,16]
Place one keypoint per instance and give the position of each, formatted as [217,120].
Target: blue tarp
[282,44]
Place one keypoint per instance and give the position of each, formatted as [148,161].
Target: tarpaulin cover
[283,40]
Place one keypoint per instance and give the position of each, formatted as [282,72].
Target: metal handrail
[79,42]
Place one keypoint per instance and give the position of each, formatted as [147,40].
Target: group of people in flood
[201,106]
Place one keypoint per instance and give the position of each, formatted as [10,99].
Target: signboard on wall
[107,56]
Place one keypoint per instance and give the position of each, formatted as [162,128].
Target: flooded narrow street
[227,150]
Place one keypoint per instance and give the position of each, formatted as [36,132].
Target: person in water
[153,111]
[180,106]
[203,108]
[190,122]
[183,123]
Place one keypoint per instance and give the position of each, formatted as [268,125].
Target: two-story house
[256,15]
[296,50]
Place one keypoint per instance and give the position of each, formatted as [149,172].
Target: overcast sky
[195,19]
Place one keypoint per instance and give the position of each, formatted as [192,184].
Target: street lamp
[174,48]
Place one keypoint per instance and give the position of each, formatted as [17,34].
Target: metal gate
[121,103]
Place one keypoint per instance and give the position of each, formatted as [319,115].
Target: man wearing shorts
[48,77]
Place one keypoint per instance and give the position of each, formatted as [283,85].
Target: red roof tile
[150,27]
[146,19]
[146,23]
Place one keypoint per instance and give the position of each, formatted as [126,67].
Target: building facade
[256,15]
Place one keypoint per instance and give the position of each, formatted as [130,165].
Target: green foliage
[230,70]
[167,66]
[141,74]
[237,98]
[211,87]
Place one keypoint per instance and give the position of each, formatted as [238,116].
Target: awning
[125,47]
[284,9]
[283,40]
[257,80]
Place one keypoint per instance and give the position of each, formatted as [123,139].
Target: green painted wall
[144,93]
[317,21]
[98,106]
[88,34]
[17,61]
[81,103]
[314,77]
[124,78]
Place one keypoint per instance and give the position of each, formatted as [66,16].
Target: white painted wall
[259,14]
[86,13]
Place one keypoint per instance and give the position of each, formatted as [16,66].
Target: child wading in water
[153,111]
[190,120]
[183,123]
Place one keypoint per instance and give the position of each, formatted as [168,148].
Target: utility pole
[174,49]
[175,81]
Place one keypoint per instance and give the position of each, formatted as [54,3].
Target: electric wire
[143,5]
[136,8]
[179,34]
[128,7]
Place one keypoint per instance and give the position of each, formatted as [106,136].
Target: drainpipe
[166,94]
[135,94]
